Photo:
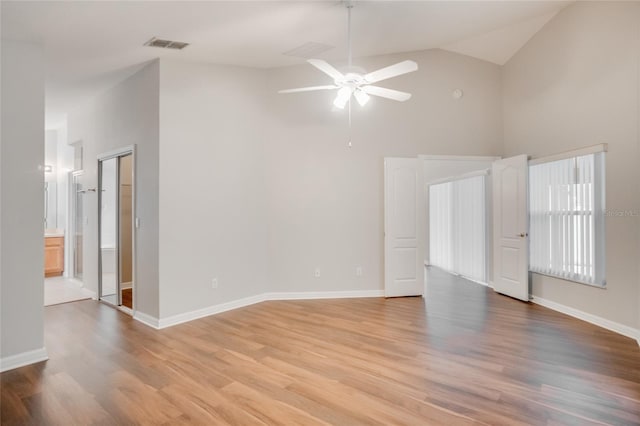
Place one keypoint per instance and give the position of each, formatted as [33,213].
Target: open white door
[403,205]
[510,227]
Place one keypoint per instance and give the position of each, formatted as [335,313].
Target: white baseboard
[152,322]
[308,295]
[251,300]
[616,327]
[22,359]
[210,310]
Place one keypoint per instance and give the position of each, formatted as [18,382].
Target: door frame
[116,153]
[73,222]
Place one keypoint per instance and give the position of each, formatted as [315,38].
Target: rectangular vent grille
[166,44]
[308,50]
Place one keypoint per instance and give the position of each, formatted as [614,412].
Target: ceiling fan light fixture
[361,97]
[354,81]
[343,97]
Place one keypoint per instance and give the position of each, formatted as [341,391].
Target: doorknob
[523,234]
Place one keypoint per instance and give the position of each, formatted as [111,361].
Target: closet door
[108,199]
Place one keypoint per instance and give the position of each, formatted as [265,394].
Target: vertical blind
[566,205]
[457,227]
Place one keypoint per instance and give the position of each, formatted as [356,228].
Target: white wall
[126,114]
[21,194]
[213,219]
[51,154]
[64,166]
[325,200]
[575,84]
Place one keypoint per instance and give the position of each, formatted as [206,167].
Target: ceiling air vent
[166,44]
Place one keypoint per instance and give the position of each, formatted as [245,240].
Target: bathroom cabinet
[53,256]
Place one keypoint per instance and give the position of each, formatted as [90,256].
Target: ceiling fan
[356,83]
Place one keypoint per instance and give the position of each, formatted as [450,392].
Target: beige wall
[258,189]
[213,137]
[21,197]
[575,84]
[126,114]
[325,200]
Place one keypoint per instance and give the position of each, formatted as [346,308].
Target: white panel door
[510,227]
[403,216]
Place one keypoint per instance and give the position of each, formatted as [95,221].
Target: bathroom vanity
[53,254]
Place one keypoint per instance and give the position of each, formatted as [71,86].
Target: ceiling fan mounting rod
[349,6]
[354,82]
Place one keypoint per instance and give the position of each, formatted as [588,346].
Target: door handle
[523,234]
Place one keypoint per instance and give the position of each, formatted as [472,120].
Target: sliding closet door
[108,236]
[116,239]
[126,230]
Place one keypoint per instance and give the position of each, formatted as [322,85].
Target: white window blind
[457,227]
[566,223]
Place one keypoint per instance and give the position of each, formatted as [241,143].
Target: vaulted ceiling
[89,46]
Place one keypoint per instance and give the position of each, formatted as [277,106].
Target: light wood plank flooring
[464,355]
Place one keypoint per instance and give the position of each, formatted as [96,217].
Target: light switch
[137,222]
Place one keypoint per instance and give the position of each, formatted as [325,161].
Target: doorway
[116,265]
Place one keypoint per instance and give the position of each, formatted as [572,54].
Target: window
[566,223]
[457,227]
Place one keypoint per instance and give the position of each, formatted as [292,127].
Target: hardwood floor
[464,355]
[127,297]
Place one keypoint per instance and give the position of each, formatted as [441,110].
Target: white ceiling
[90,46]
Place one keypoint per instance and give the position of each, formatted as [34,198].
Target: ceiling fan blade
[396,95]
[391,71]
[326,68]
[308,89]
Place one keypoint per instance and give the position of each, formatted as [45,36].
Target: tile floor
[62,290]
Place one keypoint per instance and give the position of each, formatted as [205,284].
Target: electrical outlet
[317,272]
[214,283]
[359,271]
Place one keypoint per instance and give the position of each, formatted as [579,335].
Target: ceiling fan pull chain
[353,83]
[349,144]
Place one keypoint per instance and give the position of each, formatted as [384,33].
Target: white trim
[210,310]
[616,327]
[152,322]
[126,286]
[481,172]
[22,359]
[457,158]
[94,295]
[126,310]
[118,152]
[594,149]
[309,295]
[251,300]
